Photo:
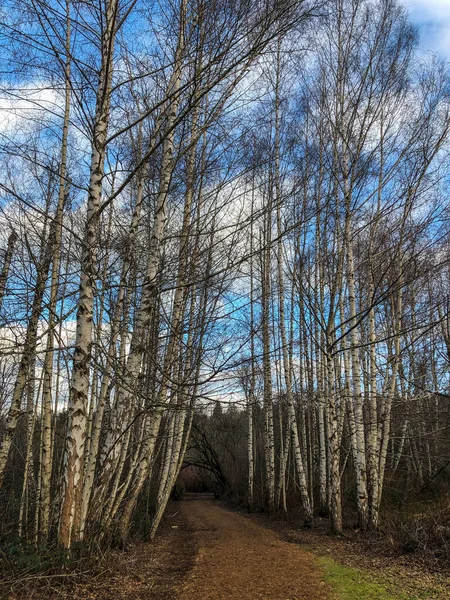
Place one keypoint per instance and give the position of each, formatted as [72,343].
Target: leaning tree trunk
[70,517]
[29,349]
[174,345]
[46,442]
[12,239]
[149,289]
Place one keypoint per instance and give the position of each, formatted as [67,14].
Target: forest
[224,267]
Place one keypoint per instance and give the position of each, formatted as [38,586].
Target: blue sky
[433,19]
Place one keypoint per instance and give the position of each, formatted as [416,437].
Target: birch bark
[70,517]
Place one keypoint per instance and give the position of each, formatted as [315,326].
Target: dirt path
[238,559]
[206,552]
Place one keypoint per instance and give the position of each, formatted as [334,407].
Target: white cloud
[433,19]
[431,5]
[26,106]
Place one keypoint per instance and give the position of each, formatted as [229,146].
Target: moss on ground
[349,583]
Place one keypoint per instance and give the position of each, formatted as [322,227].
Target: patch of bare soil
[240,559]
[409,573]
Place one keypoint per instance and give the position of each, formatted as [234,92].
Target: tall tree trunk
[70,519]
[47,439]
